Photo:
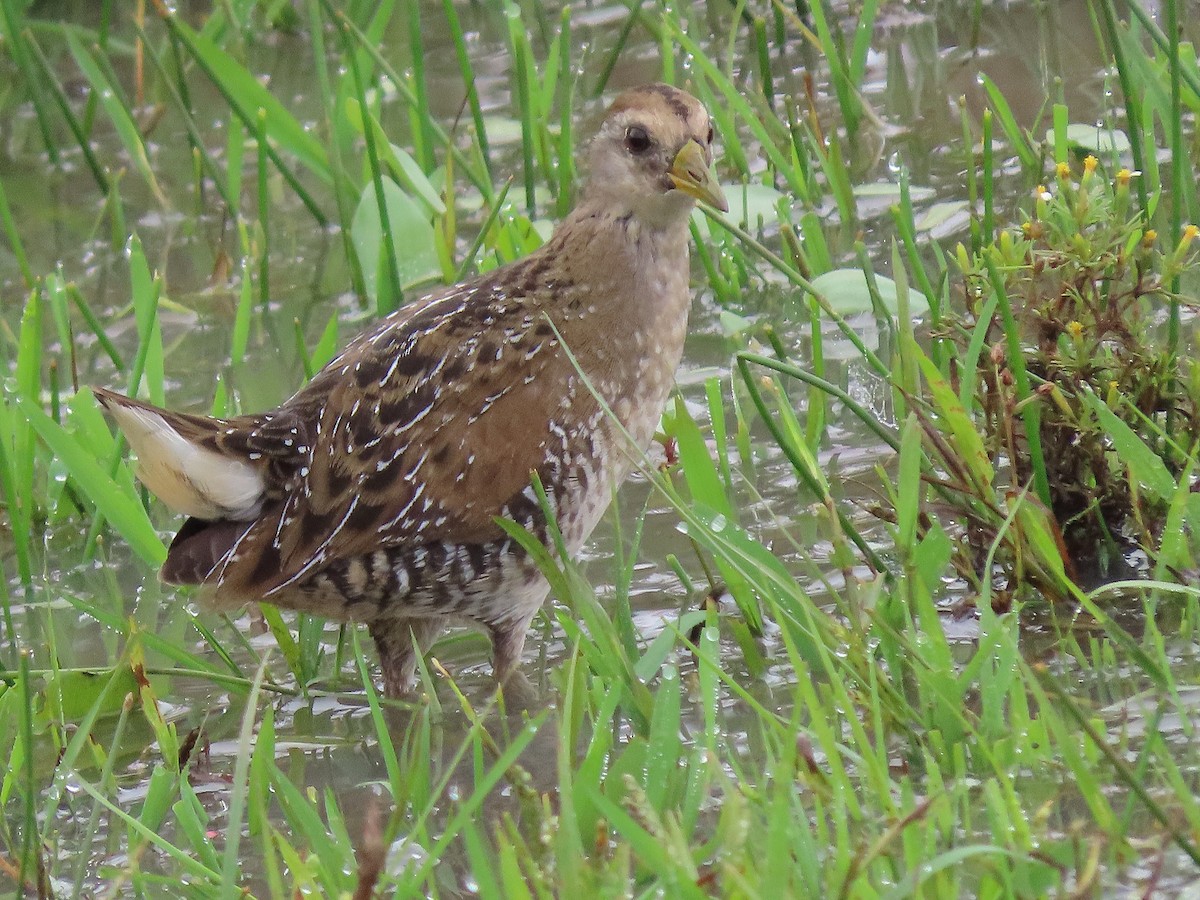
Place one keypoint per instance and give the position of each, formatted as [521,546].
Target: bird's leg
[397,656]
[508,642]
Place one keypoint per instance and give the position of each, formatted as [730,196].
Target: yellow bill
[691,174]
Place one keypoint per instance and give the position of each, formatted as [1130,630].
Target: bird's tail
[180,460]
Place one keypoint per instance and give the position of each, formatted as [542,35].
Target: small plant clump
[1078,351]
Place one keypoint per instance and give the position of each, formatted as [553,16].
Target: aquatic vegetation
[813,654]
[1082,295]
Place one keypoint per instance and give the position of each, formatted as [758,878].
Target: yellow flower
[1181,249]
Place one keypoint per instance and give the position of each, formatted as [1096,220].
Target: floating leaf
[890,191]
[70,695]
[751,203]
[502,130]
[732,324]
[848,293]
[1100,138]
[939,214]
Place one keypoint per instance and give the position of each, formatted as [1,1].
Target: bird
[375,493]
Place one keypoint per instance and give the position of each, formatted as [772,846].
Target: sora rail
[372,494]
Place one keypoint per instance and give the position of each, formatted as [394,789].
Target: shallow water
[923,72]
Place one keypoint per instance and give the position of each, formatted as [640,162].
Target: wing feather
[422,430]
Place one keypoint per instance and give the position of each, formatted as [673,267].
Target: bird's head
[652,157]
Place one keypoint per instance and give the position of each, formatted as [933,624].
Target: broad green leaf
[399,161]
[908,505]
[1176,537]
[699,470]
[164,731]
[848,293]
[958,424]
[1094,137]
[1008,123]
[412,234]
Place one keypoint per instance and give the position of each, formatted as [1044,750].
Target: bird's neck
[619,298]
[634,273]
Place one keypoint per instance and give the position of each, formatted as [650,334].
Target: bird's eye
[710,134]
[636,139]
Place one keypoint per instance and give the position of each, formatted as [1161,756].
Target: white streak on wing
[231,556]
[318,555]
[416,467]
[387,526]
[391,369]
[186,477]
[454,297]
[286,515]
[400,429]
[382,333]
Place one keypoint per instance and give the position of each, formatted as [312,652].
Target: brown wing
[425,428]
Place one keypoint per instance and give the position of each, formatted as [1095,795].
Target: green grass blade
[118,507]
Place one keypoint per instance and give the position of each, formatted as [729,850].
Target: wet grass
[809,720]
